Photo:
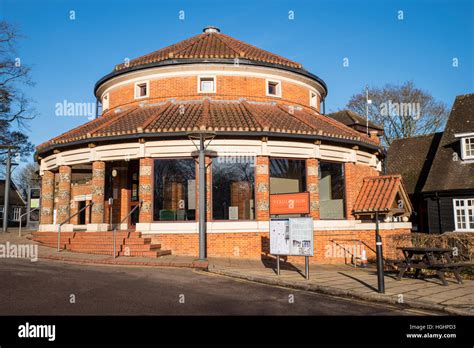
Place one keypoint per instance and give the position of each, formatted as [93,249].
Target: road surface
[56,288]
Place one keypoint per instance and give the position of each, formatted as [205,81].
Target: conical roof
[211,44]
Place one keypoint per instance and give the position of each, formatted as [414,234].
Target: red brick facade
[227,87]
[330,247]
[355,174]
[79,190]
[241,106]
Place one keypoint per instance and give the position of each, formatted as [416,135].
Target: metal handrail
[120,223]
[19,229]
[69,219]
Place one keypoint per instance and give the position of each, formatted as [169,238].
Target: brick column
[145,190]
[312,184]
[98,191]
[47,198]
[262,182]
[64,194]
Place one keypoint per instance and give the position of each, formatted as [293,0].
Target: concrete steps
[127,243]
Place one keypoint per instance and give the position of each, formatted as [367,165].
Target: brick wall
[79,190]
[355,174]
[329,246]
[228,87]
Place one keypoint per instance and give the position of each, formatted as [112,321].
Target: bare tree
[27,176]
[15,107]
[402,110]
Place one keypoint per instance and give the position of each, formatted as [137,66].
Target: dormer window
[467,145]
[207,84]
[273,88]
[141,89]
[313,99]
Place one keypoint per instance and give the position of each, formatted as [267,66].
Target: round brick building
[270,137]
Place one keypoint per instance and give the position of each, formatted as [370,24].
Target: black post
[202,198]
[379,252]
[7,190]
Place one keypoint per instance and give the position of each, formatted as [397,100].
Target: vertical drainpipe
[96,107]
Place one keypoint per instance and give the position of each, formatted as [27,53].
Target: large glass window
[287,175]
[331,190]
[174,190]
[233,194]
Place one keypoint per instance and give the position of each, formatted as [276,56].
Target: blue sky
[68,56]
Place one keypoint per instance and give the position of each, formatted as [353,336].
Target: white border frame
[214,77]
[147,82]
[279,88]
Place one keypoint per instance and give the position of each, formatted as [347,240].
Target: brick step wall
[106,247]
[153,253]
[127,243]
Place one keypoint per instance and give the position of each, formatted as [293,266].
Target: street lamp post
[202,137]
[7,185]
[379,256]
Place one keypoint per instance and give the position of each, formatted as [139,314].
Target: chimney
[374,135]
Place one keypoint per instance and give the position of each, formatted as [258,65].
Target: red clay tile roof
[216,115]
[378,193]
[210,45]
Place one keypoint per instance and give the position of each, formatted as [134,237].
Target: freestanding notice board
[292,237]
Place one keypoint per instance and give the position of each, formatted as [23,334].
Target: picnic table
[437,259]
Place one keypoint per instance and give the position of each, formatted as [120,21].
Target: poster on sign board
[279,237]
[301,234]
[292,236]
